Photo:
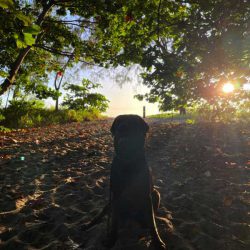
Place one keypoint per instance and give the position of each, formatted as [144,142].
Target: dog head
[129,132]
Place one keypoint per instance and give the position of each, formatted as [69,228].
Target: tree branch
[61,53]
[53,50]
[162,47]
[158,20]
[72,21]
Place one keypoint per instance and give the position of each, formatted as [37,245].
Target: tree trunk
[57,101]
[57,87]
[182,111]
[14,70]
[23,53]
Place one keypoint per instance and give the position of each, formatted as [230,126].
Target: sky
[119,86]
[122,99]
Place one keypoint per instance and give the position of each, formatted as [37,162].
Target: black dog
[131,189]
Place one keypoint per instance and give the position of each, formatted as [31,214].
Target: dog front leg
[113,231]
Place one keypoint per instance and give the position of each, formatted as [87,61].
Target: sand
[54,179]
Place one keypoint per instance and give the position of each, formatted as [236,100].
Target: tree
[80,97]
[185,46]
[35,31]
[24,39]
[59,76]
[190,60]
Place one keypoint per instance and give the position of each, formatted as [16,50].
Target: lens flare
[246,86]
[228,87]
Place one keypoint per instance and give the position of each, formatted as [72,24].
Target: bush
[222,112]
[23,114]
[18,113]
[1,116]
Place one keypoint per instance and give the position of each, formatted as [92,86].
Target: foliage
[224,107]
[36,35]
[41,91]
[218,112]
[23,114]
[80,97]
[4,129]
[168,115]
[17,110]
[219,109]
[188,49]
[205,44]
[1,116]
[26,36]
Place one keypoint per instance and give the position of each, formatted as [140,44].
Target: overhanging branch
[53,50]
[71,21]
[61,53]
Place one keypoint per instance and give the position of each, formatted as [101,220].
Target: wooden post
[144,111]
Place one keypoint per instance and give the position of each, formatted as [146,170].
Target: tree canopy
[80,97]
[187,48]
[208,46]
[36,33]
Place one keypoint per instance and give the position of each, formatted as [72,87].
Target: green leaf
[15,35]
[33,29]
[20,44]
[6,4]
[3,73]
[29,39]
[25,19]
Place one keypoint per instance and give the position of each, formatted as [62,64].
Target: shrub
[17,114]
[1,116]
[223,112]
[23,114]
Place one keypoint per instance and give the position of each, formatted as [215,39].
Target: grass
[172,116]
[206,116]
[44,117]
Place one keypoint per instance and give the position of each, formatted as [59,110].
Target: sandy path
[53,179]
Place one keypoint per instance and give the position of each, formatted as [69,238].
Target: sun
[228,87]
